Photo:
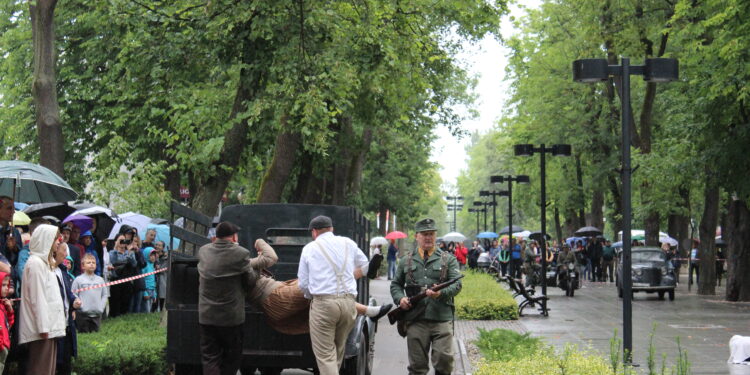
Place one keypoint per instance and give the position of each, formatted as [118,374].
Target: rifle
[398,314]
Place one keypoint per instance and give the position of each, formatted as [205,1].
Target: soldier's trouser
[331,319]
[420,336]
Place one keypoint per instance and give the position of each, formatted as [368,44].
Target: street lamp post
[484,210]
[598,70]
[487,193]
[477,210]
[455,199]
[521,179]
[555,150]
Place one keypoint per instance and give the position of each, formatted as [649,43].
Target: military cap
[425,225]
[319,222]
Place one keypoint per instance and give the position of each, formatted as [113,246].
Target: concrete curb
[464,355]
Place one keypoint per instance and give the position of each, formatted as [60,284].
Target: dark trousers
[596,269]
[515,268]
[119,298]
[607,269]
[86,323]
[693,268]
[504,268]
[221,349]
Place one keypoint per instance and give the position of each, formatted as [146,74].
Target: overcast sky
[486,60]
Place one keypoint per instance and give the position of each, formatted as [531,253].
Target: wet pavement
[704,324]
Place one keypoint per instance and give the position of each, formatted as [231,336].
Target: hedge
[482,298]
[128,344]
[547,361]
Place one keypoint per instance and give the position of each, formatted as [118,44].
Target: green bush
[128,344]
[482,298]
[547,361]
[504,344]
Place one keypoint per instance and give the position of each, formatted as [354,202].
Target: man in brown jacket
[226,276]
[285,306]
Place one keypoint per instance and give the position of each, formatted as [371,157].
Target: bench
[529,298]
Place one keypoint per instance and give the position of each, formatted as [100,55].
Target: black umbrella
[537,236]
[516,228]
[157,220]
[720,243]
[56,209]
[588,232]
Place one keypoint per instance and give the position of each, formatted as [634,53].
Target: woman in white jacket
[42,314]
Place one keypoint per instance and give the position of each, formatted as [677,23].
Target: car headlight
[638,272]
[664,271]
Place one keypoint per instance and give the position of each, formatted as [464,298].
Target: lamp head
[590,70]
[523,150]
[661,70]
[522,179]
[497,179]
[561,150]
[478,203]
[484,193]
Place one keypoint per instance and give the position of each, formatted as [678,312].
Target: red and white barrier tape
[109,283]
[120,281]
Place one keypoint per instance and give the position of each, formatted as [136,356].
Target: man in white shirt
[326,275]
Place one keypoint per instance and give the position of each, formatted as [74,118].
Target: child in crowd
[92,301]
[149,295]
[6,317]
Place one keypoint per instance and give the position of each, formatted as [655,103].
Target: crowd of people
[53,279]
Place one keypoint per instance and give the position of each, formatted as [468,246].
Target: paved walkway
[704,324]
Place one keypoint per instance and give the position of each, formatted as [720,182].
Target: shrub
[482,298]
[504,344]
[546,361]
[128,344]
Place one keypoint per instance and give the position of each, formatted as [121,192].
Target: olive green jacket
[436,309]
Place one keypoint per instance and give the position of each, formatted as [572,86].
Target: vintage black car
[651,271]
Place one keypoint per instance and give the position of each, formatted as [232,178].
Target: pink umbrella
[395,235]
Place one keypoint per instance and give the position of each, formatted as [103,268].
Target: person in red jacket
[7,318]
[461,252]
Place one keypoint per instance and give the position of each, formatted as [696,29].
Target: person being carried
[285,306]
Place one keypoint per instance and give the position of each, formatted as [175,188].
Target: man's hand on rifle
[404,303]
[432,294]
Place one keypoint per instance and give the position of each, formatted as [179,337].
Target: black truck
[284,226]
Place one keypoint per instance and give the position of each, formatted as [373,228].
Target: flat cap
[425,225]
[319,222]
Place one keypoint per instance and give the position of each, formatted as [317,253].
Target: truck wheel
[362,363]
[661,295]
[671,294]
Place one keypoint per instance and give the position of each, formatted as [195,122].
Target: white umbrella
[378,241]
[137,221]
[94,210]
[454,237]
[671,241]
[522,234]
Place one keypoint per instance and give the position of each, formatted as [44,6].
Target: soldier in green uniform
[429,328]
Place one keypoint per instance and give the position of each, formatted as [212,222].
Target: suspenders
[340,283]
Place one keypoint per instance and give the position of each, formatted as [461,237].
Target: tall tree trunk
[678,223]
[303,178]
[358,164]
[558,225]
[706,250]
[614,189]
[581,195]
[737,235]
[44,86]
[596,218]
[277,174]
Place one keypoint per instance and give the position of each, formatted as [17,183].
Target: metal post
[542,166]
[627,312]
[477,220]
[510,213]
[494,219]
[485,216]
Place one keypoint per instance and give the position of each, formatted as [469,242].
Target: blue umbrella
[20,206]
[487,235]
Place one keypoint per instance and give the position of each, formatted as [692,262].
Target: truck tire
[362,363]
[671,294]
